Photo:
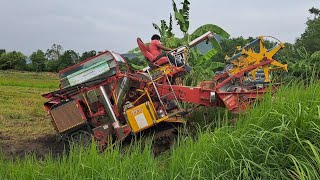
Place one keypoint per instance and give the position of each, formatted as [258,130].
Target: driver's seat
[154,60]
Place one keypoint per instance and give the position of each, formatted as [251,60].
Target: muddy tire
[80,138]
[164,140]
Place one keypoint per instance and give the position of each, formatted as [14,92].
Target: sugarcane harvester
[102,98]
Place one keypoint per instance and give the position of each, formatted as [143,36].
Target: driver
[155,49]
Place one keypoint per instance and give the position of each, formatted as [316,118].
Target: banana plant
[202,64]
[182,15]
[164,29]
[302,65]
[203,69]
[182,18]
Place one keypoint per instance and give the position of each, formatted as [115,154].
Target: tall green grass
[278,139]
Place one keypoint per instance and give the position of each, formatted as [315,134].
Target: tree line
[53,60]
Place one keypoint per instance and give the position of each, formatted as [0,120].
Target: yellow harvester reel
[247,56]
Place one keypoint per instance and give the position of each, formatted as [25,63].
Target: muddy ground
[39,146]
[50,143]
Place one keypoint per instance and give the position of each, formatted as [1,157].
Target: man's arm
[163,47]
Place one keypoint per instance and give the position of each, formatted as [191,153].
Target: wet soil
[163,137]
[38,146]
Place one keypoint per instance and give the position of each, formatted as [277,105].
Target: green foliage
[59,59]
[210,27]
[182,15]
[52,66]
[315,58]
[202,65]
[56,59]
[314,11]
[68,58]
[135,59]
[196,60]
[215,42]
[174,42]
[276,140]
[300,63]
[54,52]
[2,51]
[87,54]
[38,61]
[136,62]
[164,29]
[202,72]
[12,60]
[310,39]
[210,54]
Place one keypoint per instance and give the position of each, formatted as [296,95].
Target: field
[24,126]
[278,139]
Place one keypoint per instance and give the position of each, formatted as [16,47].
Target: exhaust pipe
[108,106]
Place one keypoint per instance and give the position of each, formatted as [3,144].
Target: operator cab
[204,44]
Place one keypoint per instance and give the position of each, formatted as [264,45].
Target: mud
[39,146]
[162,140]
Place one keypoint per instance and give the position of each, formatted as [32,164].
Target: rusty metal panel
[67,116]
[102,133]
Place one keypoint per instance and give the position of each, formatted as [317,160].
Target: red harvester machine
[101,98]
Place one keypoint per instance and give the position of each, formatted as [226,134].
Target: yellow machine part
[162,68]
[141,117]
[251,58]
[165,68]
[144,116]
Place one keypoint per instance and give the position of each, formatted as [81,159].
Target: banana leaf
[210,54]
[209,27]
[173,42]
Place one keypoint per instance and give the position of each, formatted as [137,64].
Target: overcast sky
[81,25]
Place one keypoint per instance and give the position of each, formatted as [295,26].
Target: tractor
[101,98]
